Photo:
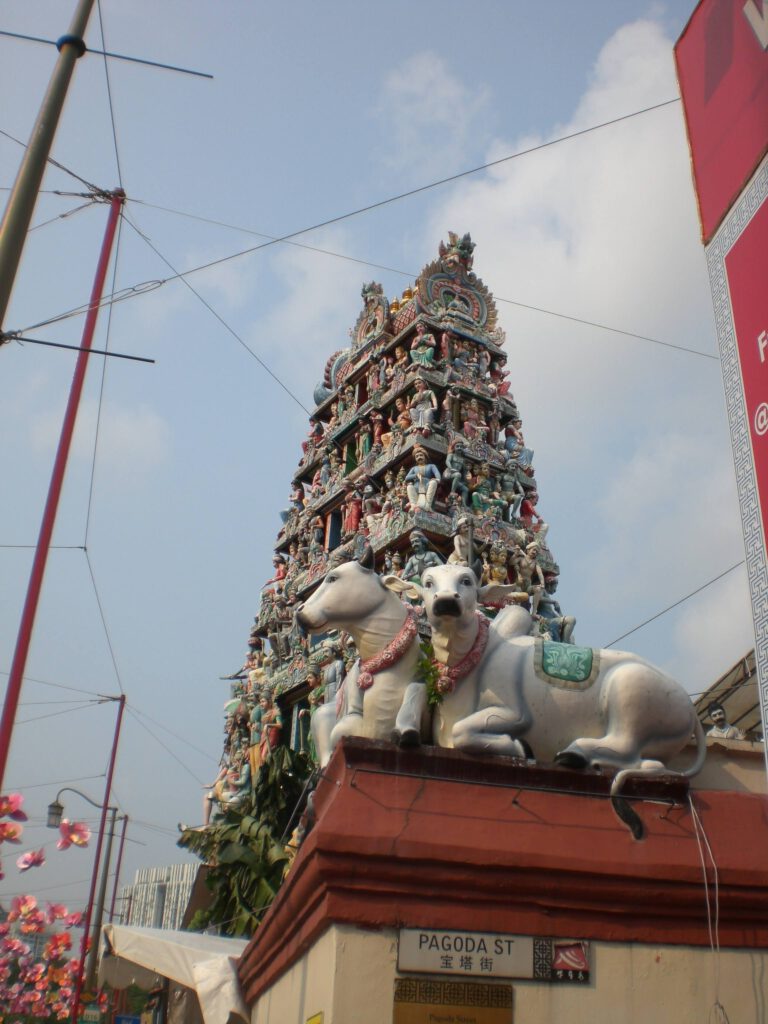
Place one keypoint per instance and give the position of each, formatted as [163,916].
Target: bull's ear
[498,593]
[398,586]
[367,560]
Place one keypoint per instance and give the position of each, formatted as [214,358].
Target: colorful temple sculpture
[415,443]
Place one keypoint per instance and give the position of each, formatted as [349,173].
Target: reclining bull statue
[502,691]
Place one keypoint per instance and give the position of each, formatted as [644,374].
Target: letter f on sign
[762,343]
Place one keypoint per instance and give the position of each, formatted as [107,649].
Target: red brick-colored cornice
[438,839]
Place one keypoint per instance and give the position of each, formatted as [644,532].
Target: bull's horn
[366,559]
[477,569]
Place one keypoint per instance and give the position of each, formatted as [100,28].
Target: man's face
[718,716]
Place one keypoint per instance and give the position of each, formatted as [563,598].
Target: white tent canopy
[204,963]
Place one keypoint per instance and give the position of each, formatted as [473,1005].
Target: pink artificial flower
[33,923]
[10,807]
[56,912]
[74,920]
[30,859]
[10,832]
[73,833]
[21,906]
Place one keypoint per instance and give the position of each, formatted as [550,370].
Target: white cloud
[430,116]
[313,315]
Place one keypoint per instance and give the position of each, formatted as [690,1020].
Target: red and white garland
[392,653]
[450,675]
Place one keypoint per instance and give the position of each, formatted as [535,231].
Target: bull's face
[449,591]
[347,595]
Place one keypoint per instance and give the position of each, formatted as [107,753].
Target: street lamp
[55,811]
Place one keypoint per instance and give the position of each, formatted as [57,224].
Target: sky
[179,469]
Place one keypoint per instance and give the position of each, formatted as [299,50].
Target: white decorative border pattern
[749,503]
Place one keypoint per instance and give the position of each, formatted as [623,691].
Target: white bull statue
[576,706]
[381,698]
[503,691]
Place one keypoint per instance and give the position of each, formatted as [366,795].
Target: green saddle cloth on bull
[566,665]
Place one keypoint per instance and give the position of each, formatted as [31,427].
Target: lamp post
[55,811]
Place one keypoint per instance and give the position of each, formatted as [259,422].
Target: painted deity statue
[421,559]
[423,347]
[422,480]
[422,408]
[560,627]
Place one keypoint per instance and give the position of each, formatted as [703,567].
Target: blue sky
[316,110]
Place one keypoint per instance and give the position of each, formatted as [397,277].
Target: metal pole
[21,203]
[94,876]
[117,869]
[34,587]
[93,955]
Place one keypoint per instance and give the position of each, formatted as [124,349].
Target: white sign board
[490,954]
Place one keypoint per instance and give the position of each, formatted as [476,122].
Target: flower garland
[442,679]
[392,653]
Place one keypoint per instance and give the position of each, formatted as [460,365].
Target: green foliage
[428,672]
[245,852]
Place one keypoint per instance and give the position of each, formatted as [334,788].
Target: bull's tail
[648,770]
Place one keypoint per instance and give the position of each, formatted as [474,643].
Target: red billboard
[722,68]
[747,276]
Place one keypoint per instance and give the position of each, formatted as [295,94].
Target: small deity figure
[511,489]
[298,498]
[422,480]
[271,726]
[721,728]
[496,566]
[456,470]
[353,511]
[560,627]
[333,669]
[401,359]
[461,554]
[335,464]
[314,434]
[451,409]
[364,440]
[371,505]
[372,379]
[318,530]
[471,418]
[377,423]
[325,473]
[400,418]
[421,559]
[254,745]
[386,372]
[460,358]
[350,401]
[483,361]
[484,497]
[498,376]
[494,426]
[530,576]
[423,347]
[528,510]
[333,420]
[513,435]
[280,568]
[422,408]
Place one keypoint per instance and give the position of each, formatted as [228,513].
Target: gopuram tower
[416,449]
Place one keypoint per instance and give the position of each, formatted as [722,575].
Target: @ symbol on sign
[761,419]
